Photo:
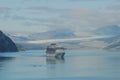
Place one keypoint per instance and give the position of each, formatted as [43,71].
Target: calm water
[77,65]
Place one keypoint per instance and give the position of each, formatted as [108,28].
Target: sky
[45,15]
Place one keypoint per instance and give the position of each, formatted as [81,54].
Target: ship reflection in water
[55,67]
[54,60]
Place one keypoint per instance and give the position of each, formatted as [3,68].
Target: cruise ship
[54,50]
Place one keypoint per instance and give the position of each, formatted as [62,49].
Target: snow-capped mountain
[113,31]
[19,36]
[108,30]
[22,38]
[115,45]
[55,34]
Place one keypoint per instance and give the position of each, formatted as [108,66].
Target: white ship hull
[56,54]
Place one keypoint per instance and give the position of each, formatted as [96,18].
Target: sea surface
[76,65]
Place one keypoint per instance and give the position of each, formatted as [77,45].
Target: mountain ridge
[6,44]
[108,30]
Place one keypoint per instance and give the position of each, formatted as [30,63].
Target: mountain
[108,30]
[61,33]
[20,36]
[113,42]
[115,45]
[22,40]
[54,34]
[113,31]
[6,44]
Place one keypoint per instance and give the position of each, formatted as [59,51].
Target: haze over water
[76,65]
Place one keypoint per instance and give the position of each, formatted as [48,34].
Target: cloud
[81,0]
[47,9]
[114,7]
[4,13]
[56,14]
[4,9]
[77,19]
[92,18]
[38,20]
[64,40]
[61,0]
